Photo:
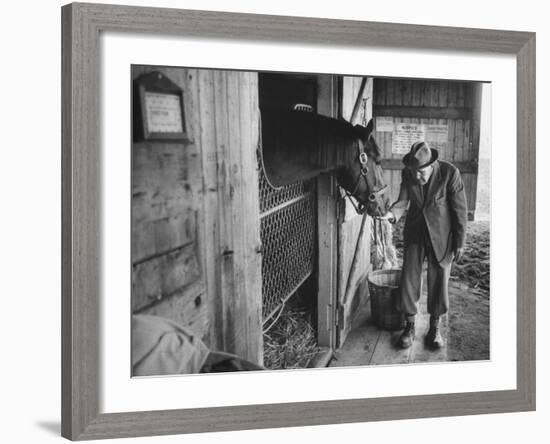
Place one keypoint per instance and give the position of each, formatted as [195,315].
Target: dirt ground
[468,337]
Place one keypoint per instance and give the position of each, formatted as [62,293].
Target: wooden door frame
[328,103]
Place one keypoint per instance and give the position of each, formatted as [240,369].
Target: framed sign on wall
[162,116]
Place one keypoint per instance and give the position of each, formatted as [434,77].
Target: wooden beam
[327,257]
[358,101]
[424,112]
[467,166]
[475,137]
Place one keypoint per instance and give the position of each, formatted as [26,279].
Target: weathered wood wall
[452,103]
[167,278]
[195,215]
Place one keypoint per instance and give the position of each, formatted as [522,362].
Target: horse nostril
[372,197]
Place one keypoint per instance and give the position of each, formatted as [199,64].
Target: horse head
[299,145]
[362,176]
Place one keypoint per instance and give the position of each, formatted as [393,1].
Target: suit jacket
[442,212]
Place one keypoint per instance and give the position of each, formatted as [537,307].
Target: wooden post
[327,247]
[328,105]
[475,136]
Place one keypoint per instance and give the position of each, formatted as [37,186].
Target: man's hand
[458,252]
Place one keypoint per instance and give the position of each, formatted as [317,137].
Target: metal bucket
[384,291]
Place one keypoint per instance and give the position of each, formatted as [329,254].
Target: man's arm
[459,211]
[402,203]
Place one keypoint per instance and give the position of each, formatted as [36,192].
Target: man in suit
[432,193]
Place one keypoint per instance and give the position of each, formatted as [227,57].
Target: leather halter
[363,171]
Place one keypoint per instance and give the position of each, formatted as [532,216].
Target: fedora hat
[420,156]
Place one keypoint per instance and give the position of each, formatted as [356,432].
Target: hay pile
[291,342]
[475,266]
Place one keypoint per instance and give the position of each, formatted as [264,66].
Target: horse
[297,145]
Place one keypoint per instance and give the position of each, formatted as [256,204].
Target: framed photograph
[279,221]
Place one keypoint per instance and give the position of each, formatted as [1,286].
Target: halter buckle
[363,158]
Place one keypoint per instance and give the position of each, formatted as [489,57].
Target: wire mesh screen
[288,240]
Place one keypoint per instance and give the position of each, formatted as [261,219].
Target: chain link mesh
[271,198]
[287,230]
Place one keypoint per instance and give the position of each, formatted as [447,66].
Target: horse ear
[370,127]
[361,132]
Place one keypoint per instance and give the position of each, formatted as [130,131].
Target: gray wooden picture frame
[81,173]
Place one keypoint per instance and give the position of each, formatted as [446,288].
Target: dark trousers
[411,281]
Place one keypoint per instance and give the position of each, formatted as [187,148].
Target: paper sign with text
[405,134]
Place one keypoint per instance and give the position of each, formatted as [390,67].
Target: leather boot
[407,337]
[434,339]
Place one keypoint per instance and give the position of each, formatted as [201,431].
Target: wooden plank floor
[366,344]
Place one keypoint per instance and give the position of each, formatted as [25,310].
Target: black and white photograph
[274,222]
[285,221]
